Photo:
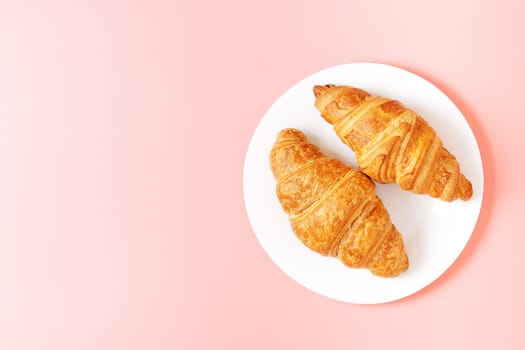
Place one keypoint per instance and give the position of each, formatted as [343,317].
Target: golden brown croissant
[333,209]
[392,143]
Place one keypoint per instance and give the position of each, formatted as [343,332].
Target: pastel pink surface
[124,129]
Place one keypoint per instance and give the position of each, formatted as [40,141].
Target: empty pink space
[123,130]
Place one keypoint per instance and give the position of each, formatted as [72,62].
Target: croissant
[392,143]
[333,209]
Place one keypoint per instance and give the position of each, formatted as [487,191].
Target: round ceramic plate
[434,232]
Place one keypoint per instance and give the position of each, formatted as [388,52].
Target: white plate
[434,232]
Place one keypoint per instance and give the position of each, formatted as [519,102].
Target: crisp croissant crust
[392,143]
[333,209]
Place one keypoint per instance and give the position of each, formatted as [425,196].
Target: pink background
[123,131]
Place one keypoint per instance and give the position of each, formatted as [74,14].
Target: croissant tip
[465,189]
[290,134]
[320,89]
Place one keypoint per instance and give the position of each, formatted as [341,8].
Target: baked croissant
[392,143]
[333,209]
